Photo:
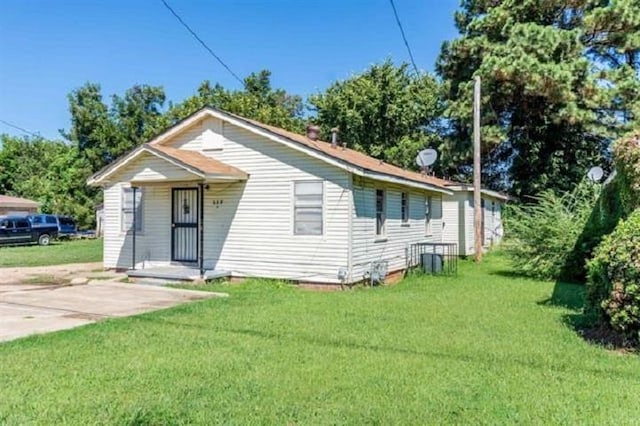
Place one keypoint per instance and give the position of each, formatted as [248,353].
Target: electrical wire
[23,130]
[193,33]
[404,37]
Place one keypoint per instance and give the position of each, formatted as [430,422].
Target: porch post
[133,241]
[201,230]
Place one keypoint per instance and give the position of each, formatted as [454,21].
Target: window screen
[128,209]
[308,199]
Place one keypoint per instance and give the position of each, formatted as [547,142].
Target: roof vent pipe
[334,137]
[313,132]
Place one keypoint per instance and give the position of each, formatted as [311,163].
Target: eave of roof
[193,162]
[10,201]
[348,159]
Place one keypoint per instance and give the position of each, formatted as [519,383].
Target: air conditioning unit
[432,263]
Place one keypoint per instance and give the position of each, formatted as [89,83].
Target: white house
[458,212]
[232,196]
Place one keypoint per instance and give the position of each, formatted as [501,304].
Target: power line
[404,37]
[202,42]
[23,130]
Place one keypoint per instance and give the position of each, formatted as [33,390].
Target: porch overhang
[176,165]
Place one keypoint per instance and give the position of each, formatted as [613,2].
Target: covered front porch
[170,201]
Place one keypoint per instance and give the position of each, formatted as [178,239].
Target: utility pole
[477,196]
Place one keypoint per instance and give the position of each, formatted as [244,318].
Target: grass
[483,348]
[57,253]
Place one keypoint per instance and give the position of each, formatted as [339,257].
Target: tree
[385,112]
[50,172]
[547,115]
[258,101]
[102,133]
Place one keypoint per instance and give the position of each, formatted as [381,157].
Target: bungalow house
[232,196]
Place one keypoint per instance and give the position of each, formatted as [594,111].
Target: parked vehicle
[18,230]
[66,226]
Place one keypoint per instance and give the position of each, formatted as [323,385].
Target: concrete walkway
[31,309]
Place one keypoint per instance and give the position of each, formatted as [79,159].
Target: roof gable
[186,165]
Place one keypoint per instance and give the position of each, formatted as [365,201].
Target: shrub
[542,236]
[626,152]
[613,288]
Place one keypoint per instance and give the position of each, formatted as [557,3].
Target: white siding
[367,247]
[251,231]
[493,230]
[453,220]
[153,242]
[249,225]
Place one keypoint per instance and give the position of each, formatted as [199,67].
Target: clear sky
[48,48]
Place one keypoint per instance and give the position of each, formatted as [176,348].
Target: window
[6,224]
[36,220]
[404,207]
[380,212]
[427,216]
[126,217]
[307,210]
[51,220]
[22,223]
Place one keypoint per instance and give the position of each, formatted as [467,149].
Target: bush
[541,237]
[613,288]
[626,152]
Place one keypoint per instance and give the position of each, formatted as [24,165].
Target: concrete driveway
[31,309]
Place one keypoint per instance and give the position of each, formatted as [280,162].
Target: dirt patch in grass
[46,279]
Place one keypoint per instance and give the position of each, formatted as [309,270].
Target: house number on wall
[217,203]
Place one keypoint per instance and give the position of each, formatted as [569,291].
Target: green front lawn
[57,253]
[482,348]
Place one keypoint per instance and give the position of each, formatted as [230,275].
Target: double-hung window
[404,207]
[307,210]
[129,209]
[427,216]
[380,213]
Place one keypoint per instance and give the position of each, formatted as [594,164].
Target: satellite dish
[426,157]
[595,174]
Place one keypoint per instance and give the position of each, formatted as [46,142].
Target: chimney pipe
[334,137]
[313,132]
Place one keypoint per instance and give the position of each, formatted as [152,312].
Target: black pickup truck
[18,230]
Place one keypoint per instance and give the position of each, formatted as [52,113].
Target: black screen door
[184,224]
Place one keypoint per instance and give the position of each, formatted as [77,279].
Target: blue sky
[48,48]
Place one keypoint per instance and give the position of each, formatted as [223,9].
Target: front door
[184,224]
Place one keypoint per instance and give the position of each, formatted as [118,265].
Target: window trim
[140,221]
[295,207]
[383,228]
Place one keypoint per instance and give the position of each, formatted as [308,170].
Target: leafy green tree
[257,100]
[386,112]
[102,133]
[547,114]
[50,172]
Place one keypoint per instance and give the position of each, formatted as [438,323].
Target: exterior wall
[17,210]
[249,225]
[153,241]
[367,247]
[493,229]
[453,220]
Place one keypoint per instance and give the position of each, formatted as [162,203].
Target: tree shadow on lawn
[333,342]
